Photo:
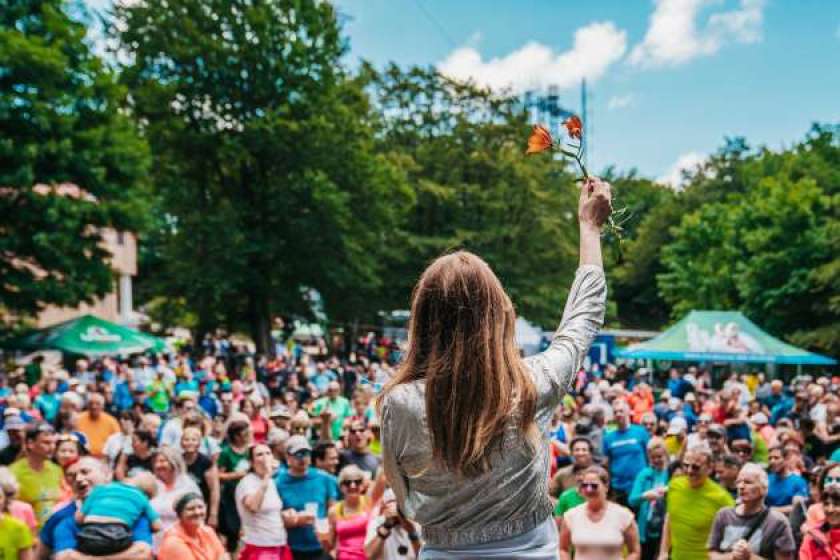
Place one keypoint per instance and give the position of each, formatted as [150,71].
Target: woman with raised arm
[465,420]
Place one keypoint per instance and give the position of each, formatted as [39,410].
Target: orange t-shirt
[177,545]
[97,431]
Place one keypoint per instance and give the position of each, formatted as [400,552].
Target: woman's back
[512,497]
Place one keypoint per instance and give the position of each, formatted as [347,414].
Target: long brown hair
[461,342]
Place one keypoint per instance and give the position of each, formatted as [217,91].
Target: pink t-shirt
[602,540]
[24,512]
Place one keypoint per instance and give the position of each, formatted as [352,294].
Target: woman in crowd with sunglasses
[349,517]
[260,509]
[598,528]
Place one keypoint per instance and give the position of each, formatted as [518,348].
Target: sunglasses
[302,454]
[692,467]
[741,450]
[355,431]
[831,480]
[354,482]
[592,486]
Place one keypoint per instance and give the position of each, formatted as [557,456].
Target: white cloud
[675,35]
[687,162]
[620,102]
[534,66]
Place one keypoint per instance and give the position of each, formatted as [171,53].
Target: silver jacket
[512,497]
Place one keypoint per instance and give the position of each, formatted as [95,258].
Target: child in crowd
[111,510]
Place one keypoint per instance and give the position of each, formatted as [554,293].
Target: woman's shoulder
[405,398]
[619,511]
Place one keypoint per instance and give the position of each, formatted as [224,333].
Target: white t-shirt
[397,542]
[602,540]
[116,444]
[264,528]
[164,503]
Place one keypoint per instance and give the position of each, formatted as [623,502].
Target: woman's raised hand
[595,203]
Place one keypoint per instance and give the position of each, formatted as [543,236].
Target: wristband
[383,536]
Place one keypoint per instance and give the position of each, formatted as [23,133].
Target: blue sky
[668,79]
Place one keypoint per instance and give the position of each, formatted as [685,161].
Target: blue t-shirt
[120,501]
[780,491]
[835,457]
[60,530]
[626,451]
[297,491]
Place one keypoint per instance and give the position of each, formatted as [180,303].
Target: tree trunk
[261,326]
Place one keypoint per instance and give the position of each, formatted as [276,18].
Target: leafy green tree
[266,166]
[463,151]
[61,124]
[768,247]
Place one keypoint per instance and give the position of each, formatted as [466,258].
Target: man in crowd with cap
[38,477]
[14,430]
[281,417]
[301,485]
[716,438]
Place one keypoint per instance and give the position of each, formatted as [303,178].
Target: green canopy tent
[720,336]
[89,336]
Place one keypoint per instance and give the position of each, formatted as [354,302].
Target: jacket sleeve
[635,497]
[390,453]
[582,318]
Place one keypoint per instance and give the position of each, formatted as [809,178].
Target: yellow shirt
[97,431]
[14,537]
[692,512]
[40,489]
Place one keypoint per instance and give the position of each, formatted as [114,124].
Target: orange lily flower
[540,140]
[574,126]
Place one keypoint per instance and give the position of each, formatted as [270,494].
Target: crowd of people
[265,459]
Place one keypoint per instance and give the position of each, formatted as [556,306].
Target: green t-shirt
[158,396]
[692,512]
[340,408]
[570,498]
[14,537]
[41,490]
[761,453]
[231,461]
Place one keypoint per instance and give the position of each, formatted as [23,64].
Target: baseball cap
[14,423]
[718,430]
[297,444]
[690,397]
[280,411]
[759,419]
[677,426]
